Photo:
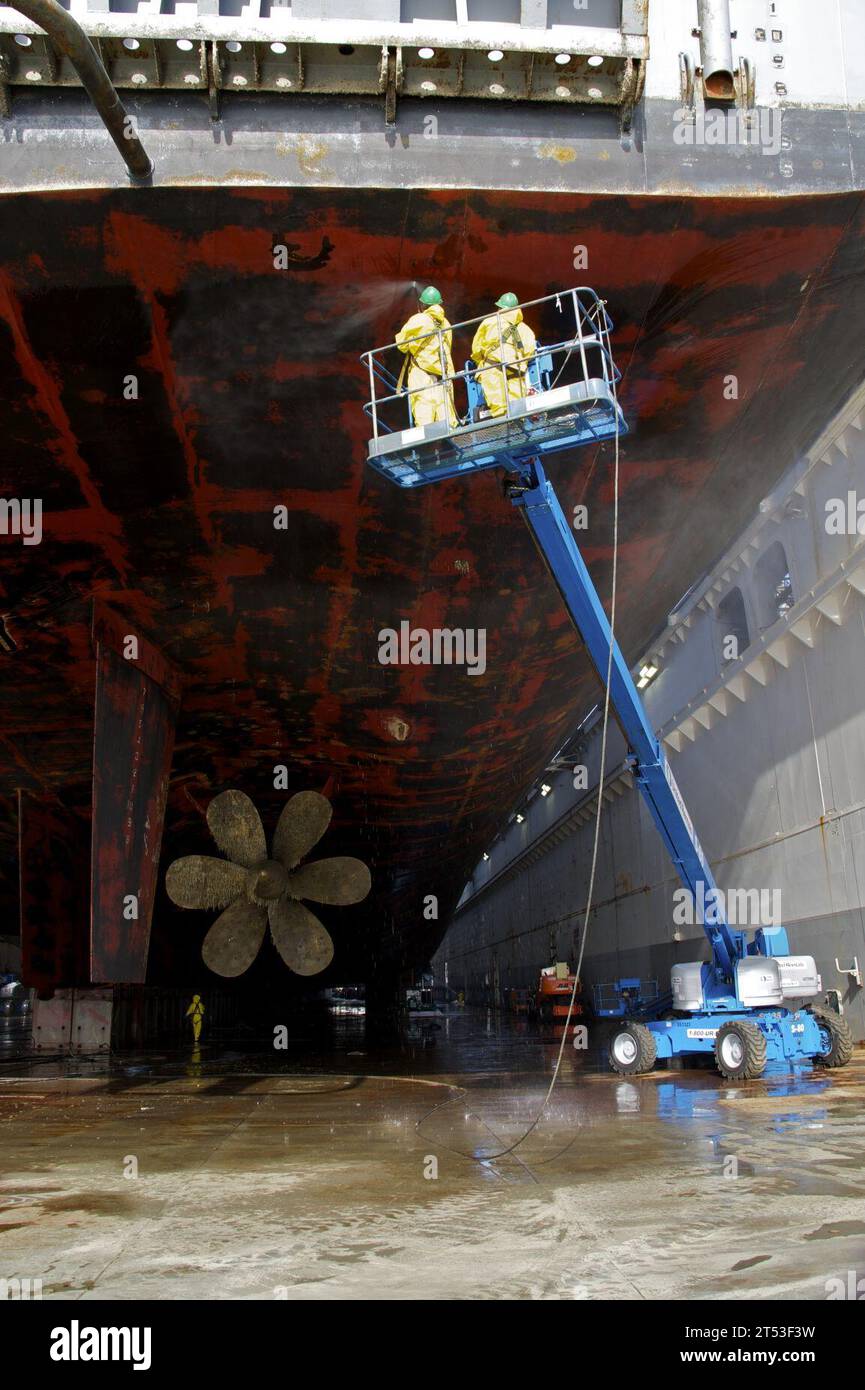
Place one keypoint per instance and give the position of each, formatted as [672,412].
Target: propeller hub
[268,881]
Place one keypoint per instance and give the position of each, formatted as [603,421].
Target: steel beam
[635,17]
[137,700]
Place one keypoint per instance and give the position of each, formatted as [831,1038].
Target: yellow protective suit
[503,339]
[196,1013]
[419,338]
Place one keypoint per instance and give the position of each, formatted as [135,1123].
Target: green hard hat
[430,296]
[507,301]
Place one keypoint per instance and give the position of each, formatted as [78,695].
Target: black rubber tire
[752,1062]
[838,1030]
[644,1051]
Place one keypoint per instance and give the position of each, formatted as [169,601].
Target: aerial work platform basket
[571,398]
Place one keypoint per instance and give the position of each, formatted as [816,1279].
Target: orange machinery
[555,987]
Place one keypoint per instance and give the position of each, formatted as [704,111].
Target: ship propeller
[255,891]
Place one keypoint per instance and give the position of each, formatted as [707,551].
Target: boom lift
[745,1003]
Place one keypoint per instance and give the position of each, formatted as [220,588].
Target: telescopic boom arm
[533,494]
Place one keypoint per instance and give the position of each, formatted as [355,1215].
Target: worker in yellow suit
[196,1013]
[502,350]
[426,341]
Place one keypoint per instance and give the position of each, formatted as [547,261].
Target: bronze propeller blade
[200,880]
[237,829]
[299,937]
[303,821]
[234,940]
[272,891]
[338,880]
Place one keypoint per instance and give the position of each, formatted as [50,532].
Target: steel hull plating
[166,388]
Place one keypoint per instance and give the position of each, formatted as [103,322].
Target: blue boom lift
[744,1005]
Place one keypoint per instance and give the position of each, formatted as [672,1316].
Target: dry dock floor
[341,1170]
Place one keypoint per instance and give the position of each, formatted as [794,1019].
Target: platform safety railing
[626,997]
[582,354]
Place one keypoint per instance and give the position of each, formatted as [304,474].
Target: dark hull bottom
[159,500]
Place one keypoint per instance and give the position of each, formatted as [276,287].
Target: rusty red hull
[165,387]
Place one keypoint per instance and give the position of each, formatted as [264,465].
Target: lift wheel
[836,1036]
[740,1051]
[632,1050]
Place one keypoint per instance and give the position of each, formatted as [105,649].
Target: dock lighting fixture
[131,44]
[648,673]
[545,789]
[495,55]
[277,48]
[233,46]
[486,856]
[596,61]
[520,818]
[426,53]
[23,40]
[564,58]
[185,45]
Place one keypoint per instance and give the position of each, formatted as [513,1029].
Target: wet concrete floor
[336,1169]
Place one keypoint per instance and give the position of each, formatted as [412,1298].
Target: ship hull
[737,322]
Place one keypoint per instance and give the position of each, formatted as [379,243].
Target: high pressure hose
[511,1148]
[597,836]
[67,35]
